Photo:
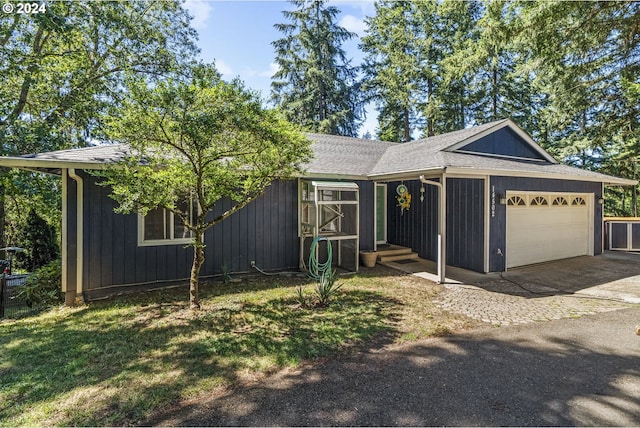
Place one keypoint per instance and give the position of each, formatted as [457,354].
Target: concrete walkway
[562,289]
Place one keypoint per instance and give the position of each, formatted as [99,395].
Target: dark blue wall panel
[504,142]
[416,228]
[498,213]
[465,223]
[265,231]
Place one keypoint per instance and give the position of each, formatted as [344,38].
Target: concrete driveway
[562,289]
[614,275]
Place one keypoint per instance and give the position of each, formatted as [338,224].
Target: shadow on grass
[564,373]
[114,363]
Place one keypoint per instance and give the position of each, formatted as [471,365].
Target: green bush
[44,287]
[40,242]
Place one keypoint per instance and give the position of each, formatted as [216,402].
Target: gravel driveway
[583,371]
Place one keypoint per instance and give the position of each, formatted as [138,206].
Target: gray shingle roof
[107,153]
[347,157]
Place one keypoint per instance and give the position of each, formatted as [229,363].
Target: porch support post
[442,224]
[79,231]
[443,227]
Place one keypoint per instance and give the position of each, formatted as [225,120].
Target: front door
[381,213]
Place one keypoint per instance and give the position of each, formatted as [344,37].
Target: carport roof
[357,158]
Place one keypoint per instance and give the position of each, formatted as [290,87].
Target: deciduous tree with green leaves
[62,72]
[315,85]
[194,142]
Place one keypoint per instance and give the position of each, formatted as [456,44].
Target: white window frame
[167,241]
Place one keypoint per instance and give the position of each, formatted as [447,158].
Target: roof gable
[504,143]
[506,140]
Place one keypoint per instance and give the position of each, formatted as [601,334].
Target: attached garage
[548,226]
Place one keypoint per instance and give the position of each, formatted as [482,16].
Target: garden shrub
[39,239]
[43,287]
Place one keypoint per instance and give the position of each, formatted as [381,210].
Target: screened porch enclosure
[330,210]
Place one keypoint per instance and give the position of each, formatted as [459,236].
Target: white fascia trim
[409,175]
[18,162]
[497,127]
[320,176]
[493,155]
[608,180]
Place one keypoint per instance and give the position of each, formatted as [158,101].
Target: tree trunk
[407,129]
[198,261]
[494,107]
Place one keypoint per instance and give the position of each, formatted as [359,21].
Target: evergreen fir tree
[315,85]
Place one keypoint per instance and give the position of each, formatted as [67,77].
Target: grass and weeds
[117,362]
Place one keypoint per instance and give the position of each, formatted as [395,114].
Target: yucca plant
[326,287]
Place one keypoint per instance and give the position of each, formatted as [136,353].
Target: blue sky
[237,35]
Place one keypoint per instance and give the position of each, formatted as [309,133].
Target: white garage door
[547,226]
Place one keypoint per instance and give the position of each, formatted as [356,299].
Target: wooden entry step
[390,253]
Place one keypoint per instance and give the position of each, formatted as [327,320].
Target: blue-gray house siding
[504,142]
[497,226]
[265,231]
[467,202]
[417,228]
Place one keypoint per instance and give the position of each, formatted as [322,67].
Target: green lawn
[117,362]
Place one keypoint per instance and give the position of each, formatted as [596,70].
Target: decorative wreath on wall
[403,198]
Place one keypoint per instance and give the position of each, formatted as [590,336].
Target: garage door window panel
[539,201]
[517,201]
[560,201]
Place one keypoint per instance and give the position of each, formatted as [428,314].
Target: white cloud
[200,10]
[224,68]
[366,7]
[353,24]
[273,69]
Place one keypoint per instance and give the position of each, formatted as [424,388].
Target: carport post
[442,224]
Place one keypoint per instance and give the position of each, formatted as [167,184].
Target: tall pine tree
[392,69]
[315,85]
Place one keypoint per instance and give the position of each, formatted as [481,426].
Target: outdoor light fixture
[503,200]
[600,200]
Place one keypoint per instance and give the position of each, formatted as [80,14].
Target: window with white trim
[162,227]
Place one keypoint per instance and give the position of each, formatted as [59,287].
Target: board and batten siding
[367,215]
[465,223]
[417,228]
[499,185]
[265,231]
[504,142]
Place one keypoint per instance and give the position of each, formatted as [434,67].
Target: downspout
[79,229]
[442,224]
[69,295]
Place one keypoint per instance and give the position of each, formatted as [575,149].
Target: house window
[516,201]
[539,201]
[560,200]
[162,227]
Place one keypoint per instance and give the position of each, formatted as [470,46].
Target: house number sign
[493,201]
